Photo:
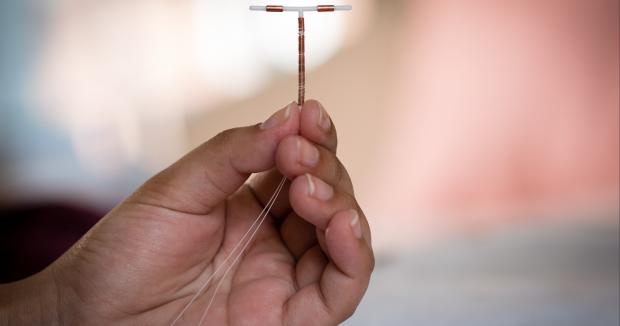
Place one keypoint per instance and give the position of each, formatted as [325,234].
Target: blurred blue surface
[24,139]
[35,155]
[560,274]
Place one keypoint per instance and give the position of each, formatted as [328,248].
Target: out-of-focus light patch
[226,54]
[120,77]
[99,143]
[106,68]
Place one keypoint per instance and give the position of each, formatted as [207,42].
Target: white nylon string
[259,219]
[221,281]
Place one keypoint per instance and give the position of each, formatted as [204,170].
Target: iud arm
[319,8]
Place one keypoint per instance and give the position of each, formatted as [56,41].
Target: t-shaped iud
[301,37]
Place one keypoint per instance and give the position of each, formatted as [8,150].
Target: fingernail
[324,121]
[355,224]
[277,118]
[319,189]
[307,154]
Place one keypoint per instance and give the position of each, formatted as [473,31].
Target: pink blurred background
[474,131]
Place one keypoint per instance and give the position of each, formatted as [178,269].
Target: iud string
[258,221]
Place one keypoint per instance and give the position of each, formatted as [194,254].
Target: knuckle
[372,262]
[350,201]
[341,176]
[224,137]
[334,171]
[337,170]
[334,139]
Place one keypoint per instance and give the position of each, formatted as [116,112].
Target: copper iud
[247,238]
[301,37]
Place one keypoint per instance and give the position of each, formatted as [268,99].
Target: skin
[141,264]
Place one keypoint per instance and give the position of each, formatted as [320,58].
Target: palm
[263,278]
[170,267]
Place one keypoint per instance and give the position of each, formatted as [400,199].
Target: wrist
[32,301]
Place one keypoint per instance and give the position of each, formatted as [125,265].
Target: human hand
[309,264]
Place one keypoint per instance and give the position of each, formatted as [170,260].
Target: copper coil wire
[302,63]
[325,8]
[272,8]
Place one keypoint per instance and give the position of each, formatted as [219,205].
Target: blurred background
[482,136]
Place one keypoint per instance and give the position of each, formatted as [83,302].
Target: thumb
[213,171]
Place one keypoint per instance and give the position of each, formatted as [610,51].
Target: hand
[309,264]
